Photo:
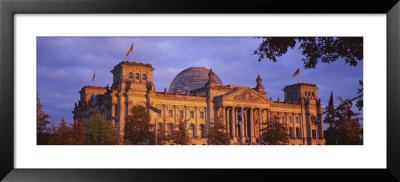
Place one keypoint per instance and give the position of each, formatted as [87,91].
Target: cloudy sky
[66,64]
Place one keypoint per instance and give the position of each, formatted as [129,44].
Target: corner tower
[293,93]
[131,83]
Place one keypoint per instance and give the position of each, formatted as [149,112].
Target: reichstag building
[197,94]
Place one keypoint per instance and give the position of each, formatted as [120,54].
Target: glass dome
[190,78]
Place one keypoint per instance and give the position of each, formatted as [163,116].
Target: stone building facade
[198,94]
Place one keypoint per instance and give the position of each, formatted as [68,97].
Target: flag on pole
[297,72]
[94,76]
[130,50]
[256,122]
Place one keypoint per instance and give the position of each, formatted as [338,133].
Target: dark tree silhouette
[344,128]
[42,134]
[314,49]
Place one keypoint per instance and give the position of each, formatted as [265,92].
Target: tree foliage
[78,133]
[217,136]
[162,137]
[64,134]
[42,135]
[344,127]
[314,49]
[137,127]
[99,131]
[181,134]
[275,133]
[53,134]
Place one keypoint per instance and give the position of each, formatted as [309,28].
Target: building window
[290,118]
[170,129]
[191,130]
[159,126]
[298,134]
[159,114]
[181,114]
[202,132]
[283,118]
[291,132]
[297,119]
[191,114]
[170,113]
[144,76]
[305,93]
[137,76]
[130,75]
[313,94]
[202,115]
[314,134]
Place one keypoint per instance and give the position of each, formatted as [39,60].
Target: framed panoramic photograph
[119,91]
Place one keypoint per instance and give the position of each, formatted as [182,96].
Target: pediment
[245,95]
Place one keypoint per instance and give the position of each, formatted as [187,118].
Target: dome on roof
[190,78]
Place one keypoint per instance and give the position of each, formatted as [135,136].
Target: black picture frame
[8,8]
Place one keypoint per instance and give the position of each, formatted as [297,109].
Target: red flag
[130,50]
[256,121]
[297,72]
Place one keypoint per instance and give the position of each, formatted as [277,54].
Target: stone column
[236,122]
[174,117]
[251,124]
[164,113]
[223,116]
[113,118]
[113,106]
[242,126]
[121,115]
[259,122]
[244,122]
[233,122]
[196,123]
[294,125]
[226,111]
[186,113]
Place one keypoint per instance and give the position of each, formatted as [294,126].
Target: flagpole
[133,52]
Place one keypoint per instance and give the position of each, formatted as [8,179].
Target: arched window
[202,115]
[170,114]
[144,76]
[170,129]
[313,94]
[202,132]
[130,75]
[137,76]
[181,114]
[191,130]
